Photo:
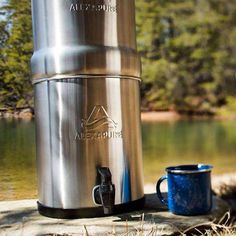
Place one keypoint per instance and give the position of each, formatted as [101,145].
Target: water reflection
[164,144]
[188,142]
[17,160]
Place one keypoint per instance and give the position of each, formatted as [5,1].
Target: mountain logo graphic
[98,119]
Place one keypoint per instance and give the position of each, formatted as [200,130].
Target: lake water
[164,144]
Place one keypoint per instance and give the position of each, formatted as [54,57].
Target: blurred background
[188,93]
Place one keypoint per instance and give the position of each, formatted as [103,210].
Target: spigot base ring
[88,212]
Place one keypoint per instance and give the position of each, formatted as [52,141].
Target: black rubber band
[89,212]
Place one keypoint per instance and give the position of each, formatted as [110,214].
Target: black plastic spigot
[104,194]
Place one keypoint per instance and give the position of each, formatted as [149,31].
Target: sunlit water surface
[164,144]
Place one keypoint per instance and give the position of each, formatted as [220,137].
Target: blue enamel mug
[189,189]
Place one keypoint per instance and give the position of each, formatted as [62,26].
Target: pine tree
[16,50]
[188,49]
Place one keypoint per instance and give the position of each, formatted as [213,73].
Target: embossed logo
[94,6]
[99,125]
[97,119]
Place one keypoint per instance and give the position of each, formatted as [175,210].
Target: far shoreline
[27,114]
[160,116]
[173,116]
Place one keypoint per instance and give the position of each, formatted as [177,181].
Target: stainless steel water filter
[86,76]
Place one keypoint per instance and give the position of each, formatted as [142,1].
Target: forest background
[188,50]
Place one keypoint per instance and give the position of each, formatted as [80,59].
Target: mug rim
[186,169]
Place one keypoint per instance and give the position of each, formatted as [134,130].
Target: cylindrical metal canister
[86,75]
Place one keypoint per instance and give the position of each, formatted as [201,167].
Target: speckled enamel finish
[189,189]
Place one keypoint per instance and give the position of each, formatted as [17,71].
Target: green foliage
[228,111]
[15,53]
[189,52]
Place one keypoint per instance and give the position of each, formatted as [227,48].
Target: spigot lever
[104,194]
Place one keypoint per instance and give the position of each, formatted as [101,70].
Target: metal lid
[84,37]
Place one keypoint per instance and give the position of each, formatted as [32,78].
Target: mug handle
[159,194]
